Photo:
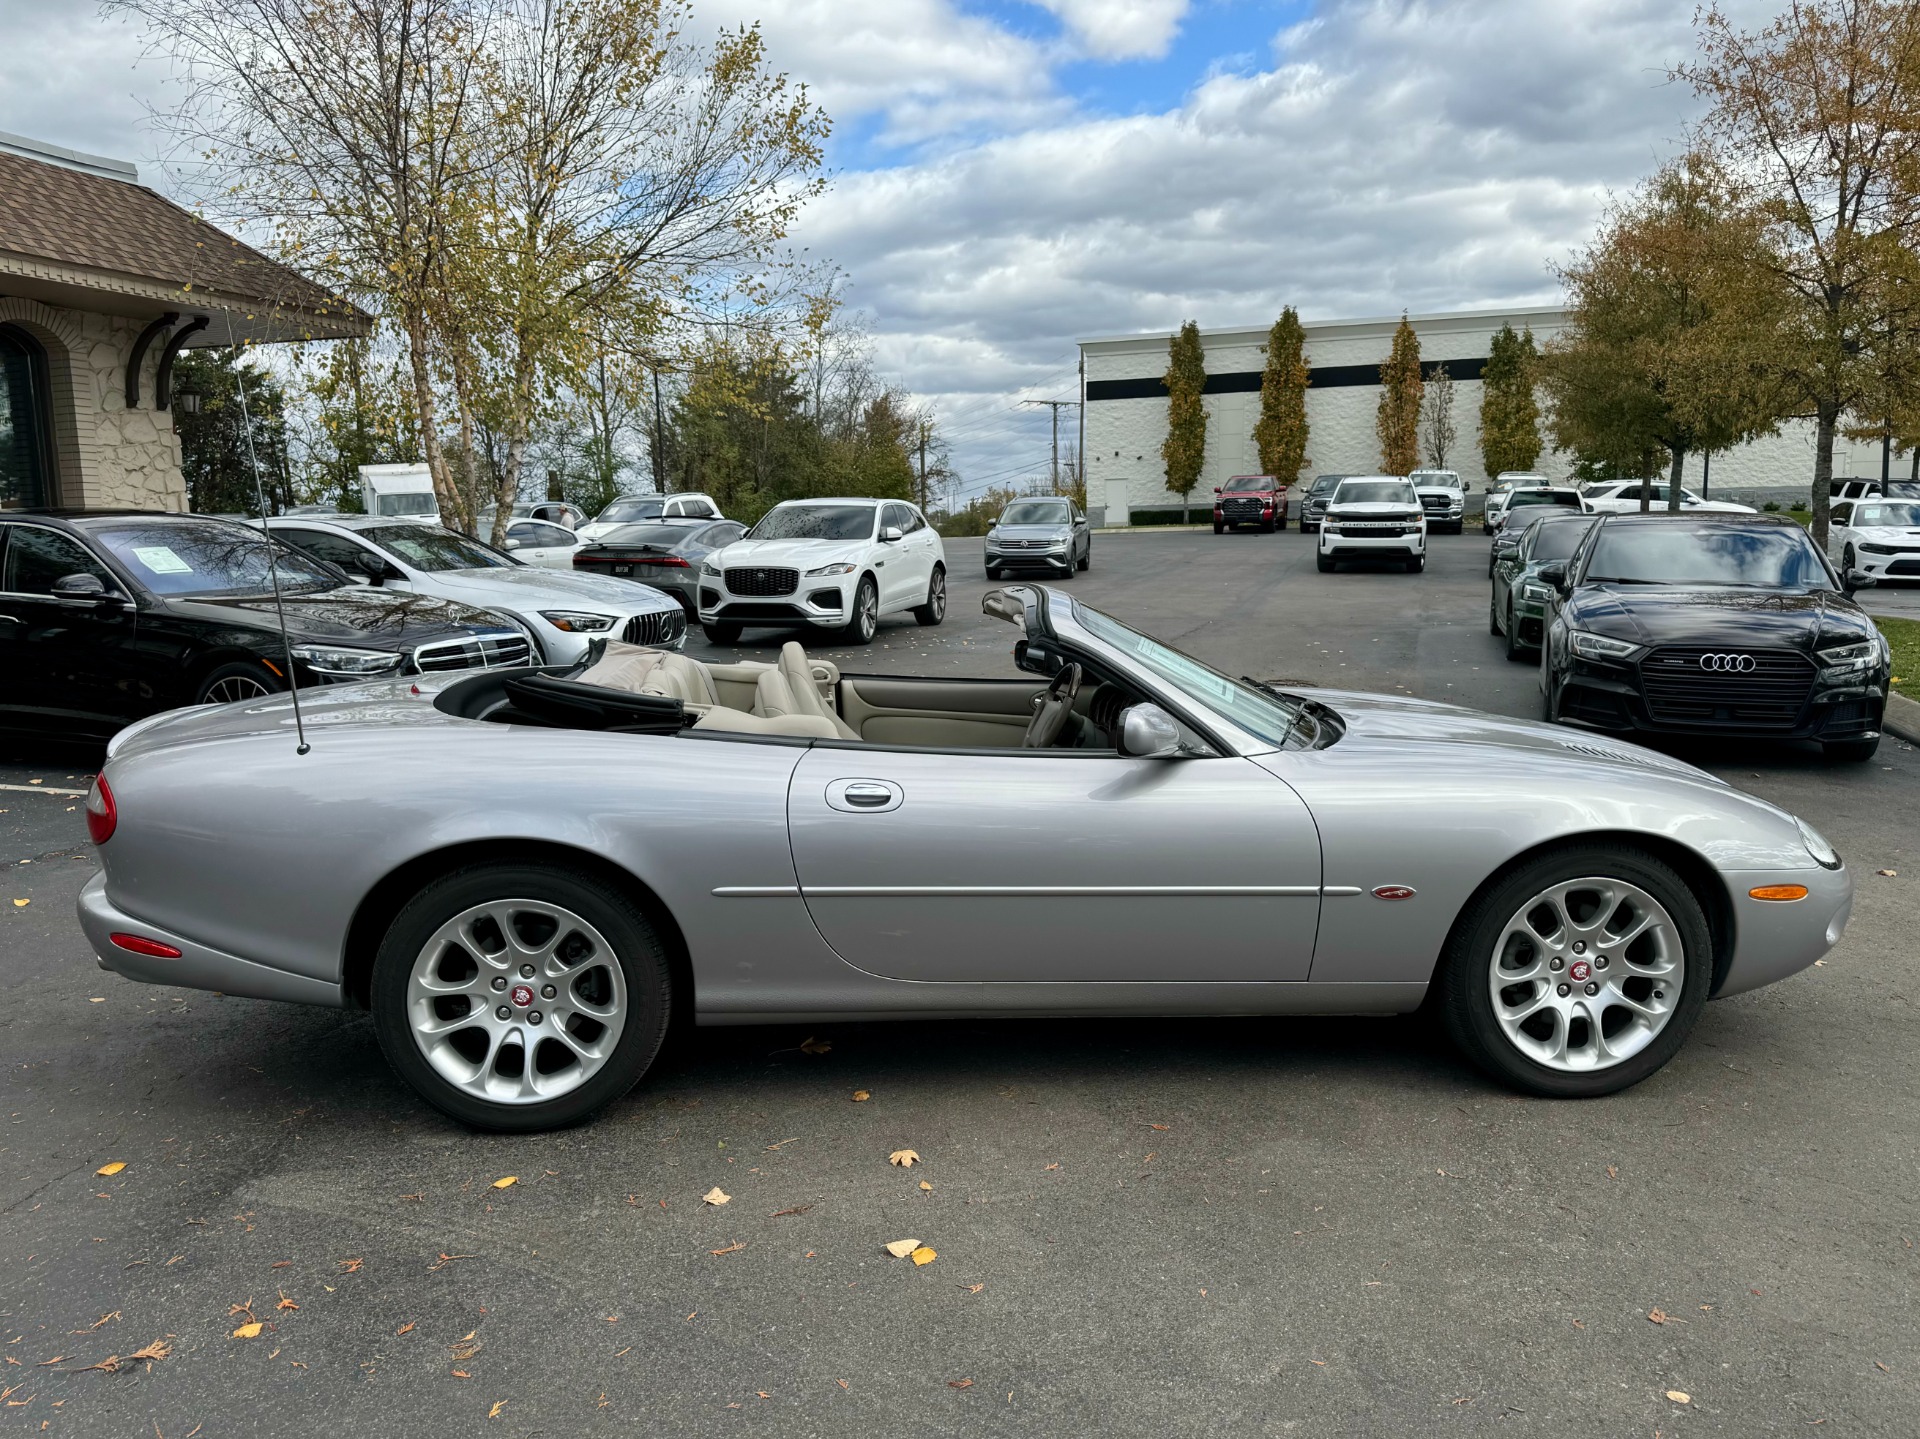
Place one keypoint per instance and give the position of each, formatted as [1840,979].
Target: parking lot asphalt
[1241,1227]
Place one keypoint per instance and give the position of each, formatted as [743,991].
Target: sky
[1011,176]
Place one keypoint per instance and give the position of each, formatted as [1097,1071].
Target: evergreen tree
[1509,413]
[214,453]
[1185,448]
[1280,435]
[1397,420]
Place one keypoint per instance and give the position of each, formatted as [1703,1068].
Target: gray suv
[1047,533]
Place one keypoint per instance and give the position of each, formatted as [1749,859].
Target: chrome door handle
[867,794]
[863,796]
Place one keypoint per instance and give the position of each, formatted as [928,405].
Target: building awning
[94,239]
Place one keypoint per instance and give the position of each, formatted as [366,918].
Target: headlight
[1056,544]
[1601,647]
[1535,592]
[1878,550]
[707,567]
[340,660]
[577,622]
[842,568]
[1824,854]
[1842,659]
[1328,527]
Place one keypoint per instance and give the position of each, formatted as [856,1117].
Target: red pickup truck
[1250,500]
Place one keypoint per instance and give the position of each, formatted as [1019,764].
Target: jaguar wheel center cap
[1579,972]
[522,995]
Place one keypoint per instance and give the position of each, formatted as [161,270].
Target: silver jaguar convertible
[528,875]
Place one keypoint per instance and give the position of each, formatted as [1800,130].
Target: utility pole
[1056,406]
[659,450]
[923,464]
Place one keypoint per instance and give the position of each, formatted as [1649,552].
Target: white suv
[1374,517]
[833,564]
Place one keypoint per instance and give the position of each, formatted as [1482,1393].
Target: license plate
[622,569]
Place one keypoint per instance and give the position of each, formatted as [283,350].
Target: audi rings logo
[1729,664]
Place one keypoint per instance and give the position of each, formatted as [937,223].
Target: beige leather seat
[786,699]
[791,689]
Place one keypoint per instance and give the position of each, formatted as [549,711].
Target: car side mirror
[1216,489]
[1859,580]
[510,544]
[890,535]
[1148,732]
[1466,489]
[1555,575]
[81,587]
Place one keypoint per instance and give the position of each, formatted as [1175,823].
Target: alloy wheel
[1586,974]
[516,1001]
[866,612]
[937,596]
[237,687]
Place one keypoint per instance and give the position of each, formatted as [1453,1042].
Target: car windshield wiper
[1296,703]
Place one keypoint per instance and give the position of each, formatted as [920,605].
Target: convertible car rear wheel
[1579,974]
[520,997]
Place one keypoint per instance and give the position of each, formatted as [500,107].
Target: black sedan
[665,553]
[108,617]
[1723,625]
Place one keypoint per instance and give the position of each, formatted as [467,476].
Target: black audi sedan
[1722,625]
[107,617]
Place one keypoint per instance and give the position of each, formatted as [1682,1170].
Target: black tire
[992,573]
[1267,528]
[1850,751]
[1324,563]
[865,623]
[1846,562]
[1465,995]
[1549,696]
[1493,617]
[637,950]
[935,609]
[722,634]
[1416,564]
[1515,650]
[1218,528]
[1086,560]
[237,680]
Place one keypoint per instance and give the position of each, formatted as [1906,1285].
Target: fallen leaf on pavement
[503,1182]
[1160,1126]
[1679,1396]
[111,1169]
[57,1359]
[494,1413]
[1881,1367]
[285,1303]
[959,1384]
[21,903]
[925,1185]
[973,1288]
[810,1045]
[1885,873]
[923,1255]
[905,1158]
[461,1374]
[1613,1171]
[466,1348]
[406,1328]
[860,1096]
[716,1195]
[797,1209]
[901,1248]
[733,1248]
[249,1331]
[351,1266]
[1052,1167]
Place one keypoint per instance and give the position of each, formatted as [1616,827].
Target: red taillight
[102,814]
[140,944]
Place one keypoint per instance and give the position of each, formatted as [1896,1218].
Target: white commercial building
[1126,413]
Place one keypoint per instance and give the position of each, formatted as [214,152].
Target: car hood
[789,554]
[1031,532]
[1398,720]
[1716,615]
[530,587]
[1886,535]
[1356,510]
[1229,490]
[1448,490]
[597,528]
[384,619]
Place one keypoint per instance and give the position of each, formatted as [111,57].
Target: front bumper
[660,629]
[1341,541]
[198,967]
[1612,696]
[1772,938]
[823,601]
[1045,561]
[1904,565]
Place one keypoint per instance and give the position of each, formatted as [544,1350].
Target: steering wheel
[1054,708]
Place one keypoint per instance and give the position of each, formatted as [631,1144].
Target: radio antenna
[273,564]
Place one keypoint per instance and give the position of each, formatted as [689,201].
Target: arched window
[26,451]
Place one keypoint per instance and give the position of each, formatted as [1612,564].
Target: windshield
[1374,492]
[1522,498]
[1436,479]
[419,502]
[1897,515]
[1036,512]
[1323,484]
[1250,484]
[1557,539]
[625,512]
[815,522]
[434,550]
[1666,553]
[209,559]
[1254,710]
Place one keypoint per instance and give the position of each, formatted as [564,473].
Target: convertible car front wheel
[1579,974]
[520,997]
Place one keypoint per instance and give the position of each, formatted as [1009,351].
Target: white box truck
[399,490]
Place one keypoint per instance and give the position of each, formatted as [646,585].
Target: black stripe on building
[1245,382]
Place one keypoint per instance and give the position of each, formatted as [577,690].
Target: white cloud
[1120,29]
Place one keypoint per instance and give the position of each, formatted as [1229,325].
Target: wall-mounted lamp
[187,401]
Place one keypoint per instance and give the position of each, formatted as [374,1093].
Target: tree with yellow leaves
[1280,434]
[1397,419]
[1185,448]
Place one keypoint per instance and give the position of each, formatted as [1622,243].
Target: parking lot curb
[1902,718]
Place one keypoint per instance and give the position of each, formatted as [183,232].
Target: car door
[892,560]
[538,543]
[1050,866]
[1839,521]
[924,542]
[69,664]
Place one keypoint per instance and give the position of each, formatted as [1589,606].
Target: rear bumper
[198,967]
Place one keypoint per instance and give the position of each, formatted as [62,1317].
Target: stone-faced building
[102,283]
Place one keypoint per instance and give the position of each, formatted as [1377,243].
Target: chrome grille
[1241,509]
[1010,545]
[476,652]
[1431,503]
[1770,696]
[746,581]
[658,631]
